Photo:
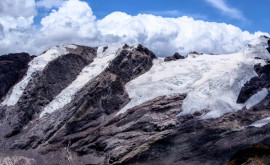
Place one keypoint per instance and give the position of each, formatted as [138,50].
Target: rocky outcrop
[12,68]
[42,89]
[16,160]
[268,46]
[255,154]
[175,57]
[256,84]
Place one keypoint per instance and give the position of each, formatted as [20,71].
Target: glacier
[212,82]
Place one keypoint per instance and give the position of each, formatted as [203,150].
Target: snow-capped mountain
[123,105]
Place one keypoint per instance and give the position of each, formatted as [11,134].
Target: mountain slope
[123,105]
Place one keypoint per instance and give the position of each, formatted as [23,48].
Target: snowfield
[212,82]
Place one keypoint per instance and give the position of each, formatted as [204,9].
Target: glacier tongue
[35,66]
[212,82]
[101,62]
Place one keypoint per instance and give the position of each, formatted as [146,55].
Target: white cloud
[16,19]
[15,34]
[227,10]
[16,8]
[74,22]
[167,35]
[74,19]
[50,3]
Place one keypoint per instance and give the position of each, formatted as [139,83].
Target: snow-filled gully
[35,66]
[87,74]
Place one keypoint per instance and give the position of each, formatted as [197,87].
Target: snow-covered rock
[35,66]
[104,55]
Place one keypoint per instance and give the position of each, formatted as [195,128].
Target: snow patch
[257,48]
[261,123]
[71,46]
[35,66]
[256,98]
[101,62]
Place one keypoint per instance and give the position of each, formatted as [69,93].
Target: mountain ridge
[123,105]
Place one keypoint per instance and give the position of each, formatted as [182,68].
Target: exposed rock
[194,52]
[16,160]
[45,86]
[175,57]
[252,155]
[12,69]
[97,102]
[268,46]
[256,83]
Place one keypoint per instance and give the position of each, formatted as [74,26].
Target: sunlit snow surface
[256,98]
[87,74]
[36,65]
[261,123]
[212,82]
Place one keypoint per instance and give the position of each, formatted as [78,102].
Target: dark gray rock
[47,84]
[256,83]
[175,57]
[268,46]
[97,102]
[12,69]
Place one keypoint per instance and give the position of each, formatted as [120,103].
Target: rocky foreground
[88,129]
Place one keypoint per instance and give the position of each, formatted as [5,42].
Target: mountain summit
[123,105]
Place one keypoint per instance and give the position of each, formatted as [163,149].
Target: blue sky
[254,11]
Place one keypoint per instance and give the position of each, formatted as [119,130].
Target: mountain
[123,105]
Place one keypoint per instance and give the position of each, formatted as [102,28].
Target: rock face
[45,86]
[256,84]
[175,57]
[268,46]
[89,130]
[12,68]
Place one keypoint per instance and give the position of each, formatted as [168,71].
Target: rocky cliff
[123,105]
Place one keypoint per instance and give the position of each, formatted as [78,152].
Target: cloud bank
[75,22]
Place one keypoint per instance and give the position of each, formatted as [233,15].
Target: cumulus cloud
[183,34]
[225,9]
[49,3]
[16,19]
[75,22]
[74,19]
[16,8]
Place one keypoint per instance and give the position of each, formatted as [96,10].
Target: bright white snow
[71,46]
[261,123]
[256,98]
[87,74]
[35,66]
[257,47]
[212,82]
